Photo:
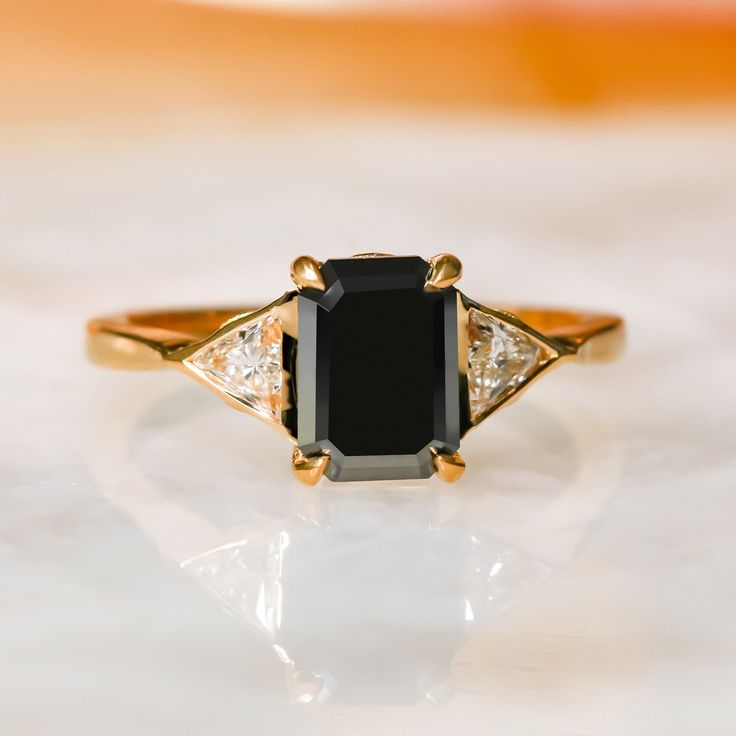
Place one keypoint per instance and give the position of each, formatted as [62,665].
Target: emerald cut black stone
[377,369]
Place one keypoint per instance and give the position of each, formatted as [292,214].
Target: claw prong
[306,273]
[308,469]
[449,467]
[445,269]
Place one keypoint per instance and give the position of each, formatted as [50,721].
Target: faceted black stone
[377,369]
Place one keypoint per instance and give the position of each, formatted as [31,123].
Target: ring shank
[142,340]
[596,337]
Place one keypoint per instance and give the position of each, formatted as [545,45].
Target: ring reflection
[365,592]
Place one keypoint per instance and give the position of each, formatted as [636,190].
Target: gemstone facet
[246,363]
[377,369]
[501,357]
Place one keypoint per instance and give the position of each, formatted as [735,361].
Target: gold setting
[308,470]
[445,270]
[449,467]
[153,340]
[306,273]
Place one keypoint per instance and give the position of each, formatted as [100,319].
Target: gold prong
[445,270]
[308,469]
[306,274]
[449,467]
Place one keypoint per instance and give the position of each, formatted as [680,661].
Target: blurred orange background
[119,61]
[158,154]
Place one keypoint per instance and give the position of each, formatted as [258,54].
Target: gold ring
[374,367]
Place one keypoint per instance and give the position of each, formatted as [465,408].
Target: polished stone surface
[246,362]
[377,369]
[163,574]
[501,357]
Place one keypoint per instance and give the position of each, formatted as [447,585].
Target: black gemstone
[377,369]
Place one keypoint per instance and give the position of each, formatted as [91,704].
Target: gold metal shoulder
[503,350]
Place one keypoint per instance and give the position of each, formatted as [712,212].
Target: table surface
[163,574]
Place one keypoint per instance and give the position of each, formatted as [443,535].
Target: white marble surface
[162,574]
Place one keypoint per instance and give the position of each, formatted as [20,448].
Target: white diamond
[500,358]
[246,362]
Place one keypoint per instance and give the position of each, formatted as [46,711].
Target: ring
[375,366]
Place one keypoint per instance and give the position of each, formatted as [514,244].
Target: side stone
[246,363]
[501,358]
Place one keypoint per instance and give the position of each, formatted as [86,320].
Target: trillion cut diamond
[500,358]
[246,363]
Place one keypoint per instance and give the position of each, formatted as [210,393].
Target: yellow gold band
[375,367]
[143,340]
